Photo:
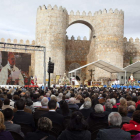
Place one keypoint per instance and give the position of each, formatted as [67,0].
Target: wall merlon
[137,40]
[72,12]
[61,8]
[78,13]
[131,39]
[84,13]
[43,7]
[16,42]
[55,7]
[78,38]
[49,7]
[104,11]
[125,39]
[110,10]
[89,13]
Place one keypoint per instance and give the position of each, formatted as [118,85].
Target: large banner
[14,68]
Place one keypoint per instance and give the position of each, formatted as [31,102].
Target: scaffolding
[25,47]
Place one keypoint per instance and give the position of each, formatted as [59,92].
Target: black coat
[38,135]
[75,135]
[21,117]
[108,111]
[113,134]
[86,112]
[54,117]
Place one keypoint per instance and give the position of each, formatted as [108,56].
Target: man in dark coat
[115,132]
[22,117]
[10,126]
[52,114]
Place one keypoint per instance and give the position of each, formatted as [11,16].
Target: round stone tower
[51,24]
[109,31]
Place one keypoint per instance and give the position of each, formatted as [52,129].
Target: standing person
[10,74]
[4,135]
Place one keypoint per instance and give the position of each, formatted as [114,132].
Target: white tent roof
[133,68]
[103,65]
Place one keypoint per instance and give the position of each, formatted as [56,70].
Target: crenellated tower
[107,43]
[51,24]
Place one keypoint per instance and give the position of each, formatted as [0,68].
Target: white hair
[87,104]
[113,101]
[108,105]
[115,119]
[44,101]
[72,100]
[99,108]
[131,108]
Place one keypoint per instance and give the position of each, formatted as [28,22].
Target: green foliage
[131,61]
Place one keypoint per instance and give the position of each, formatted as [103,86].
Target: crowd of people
[69,114]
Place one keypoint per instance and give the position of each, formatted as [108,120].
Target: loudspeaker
[50,67]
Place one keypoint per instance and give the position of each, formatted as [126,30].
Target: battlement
[16,42]
[78,38]
[116,11]
[49,7]
[131,40]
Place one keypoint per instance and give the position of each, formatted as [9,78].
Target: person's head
[47,94]
[99,108]
[1,103]
[52,105]
[44,101]
[104,95]
[131,108]
[20,104]
[2,126]
[113,101]
[136,116]
[79,97]
[53,97]
[77,123]
[44,124]
[114,119]
[87,103]
[6,102]
[123,102]
[123,111]
[11,58]
[9,96]
[71,100]
[128,98]
[108,105]
[8,114]
[64,107]
[29,102]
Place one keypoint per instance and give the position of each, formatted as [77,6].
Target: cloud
[18,17]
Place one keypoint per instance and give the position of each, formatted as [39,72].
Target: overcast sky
[18,17]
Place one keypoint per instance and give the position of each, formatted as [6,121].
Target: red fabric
[137,103]
[114,106]
[118,104]
[131,126]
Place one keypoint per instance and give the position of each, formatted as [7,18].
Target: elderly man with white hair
[96,117]
[41,110]
[115,132]
[72,104]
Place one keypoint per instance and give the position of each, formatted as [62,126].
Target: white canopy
[103,65]
[133,68]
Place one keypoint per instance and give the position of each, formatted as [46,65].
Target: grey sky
[18,17]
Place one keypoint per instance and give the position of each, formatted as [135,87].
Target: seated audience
[10,126]
[123,102]
[52,114]
[138,101]
[37,100]
[59,98]
[41,110]
[29,105]
[72,104]
[97,117]
[114,133]
[85,109]
[1,103]
[4,135]
[102,99]
[64,110]
[114,106]
[9,96]
[42,133]
[22,117]
[7,104]
[131,110]
[134,124]
[123,112]
[77,129]
[108,108]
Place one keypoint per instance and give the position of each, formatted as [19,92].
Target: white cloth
[4,75]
